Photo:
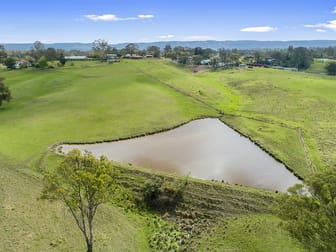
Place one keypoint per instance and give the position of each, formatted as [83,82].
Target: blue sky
[158,20]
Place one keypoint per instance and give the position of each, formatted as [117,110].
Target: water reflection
[206,149]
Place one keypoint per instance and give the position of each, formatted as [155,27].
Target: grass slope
[253,233]
[288,113]
[75,104]
[292,100]
[85,103]
[30,224]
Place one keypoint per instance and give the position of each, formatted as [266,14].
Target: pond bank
[204,148]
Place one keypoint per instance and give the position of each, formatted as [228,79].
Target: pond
[204,148]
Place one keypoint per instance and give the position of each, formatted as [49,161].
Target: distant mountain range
[228,44]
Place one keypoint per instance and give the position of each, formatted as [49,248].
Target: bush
[165,236]
[162,194]
[10,63]
[309,211]
[331,68]
[5,94]
[42,62]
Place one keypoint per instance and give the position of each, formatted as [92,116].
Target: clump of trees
[82,183]
[10,62]
[331,68]
[100,48]
[5,94]
[309,211]
[299,57]
[3,54]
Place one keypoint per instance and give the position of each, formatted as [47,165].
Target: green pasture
[318,66]
[254,233]
[289,114]
[85,104]
[30,224]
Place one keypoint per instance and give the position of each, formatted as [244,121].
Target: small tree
[62,59]
[3,53]
[51,54]
[154,50]
[100,47]
[310,211]
[82,183]
[42,62]
[5,94]
[37,50]
[132,48]
[10,63]
[331,68]
[162,194]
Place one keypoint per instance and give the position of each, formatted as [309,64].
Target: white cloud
[259,29]
[334,10]
[320,30]
[145,16]
[198,38]
[329,25]
[114,18]
[169,36]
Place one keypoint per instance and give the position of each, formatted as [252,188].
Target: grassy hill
[85,104]
[30,224]
[291,115]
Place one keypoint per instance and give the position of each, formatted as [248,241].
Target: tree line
[300,58]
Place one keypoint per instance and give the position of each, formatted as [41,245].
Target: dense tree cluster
[309,211]
[293,57]
[3,53]
[331,68]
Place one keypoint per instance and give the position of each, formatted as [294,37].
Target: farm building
[76,58]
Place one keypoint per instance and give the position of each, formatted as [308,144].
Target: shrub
[165,236]
[162,194]
[331,68]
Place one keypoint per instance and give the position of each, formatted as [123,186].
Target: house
[205,62]
[22,64]
[111,56]
[323,60]
[292,69]
[133,56]
[226,65]
[76,58]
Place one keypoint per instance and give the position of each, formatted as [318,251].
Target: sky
[117,21]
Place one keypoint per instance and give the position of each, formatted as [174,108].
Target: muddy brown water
[206,149]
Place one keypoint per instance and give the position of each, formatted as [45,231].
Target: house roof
[75,57]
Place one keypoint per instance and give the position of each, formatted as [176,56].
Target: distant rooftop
[76,57]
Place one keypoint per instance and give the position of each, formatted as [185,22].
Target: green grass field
[74,104]
[318,66]
[85,104]
[254,233]
[30,224]
[291,115]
